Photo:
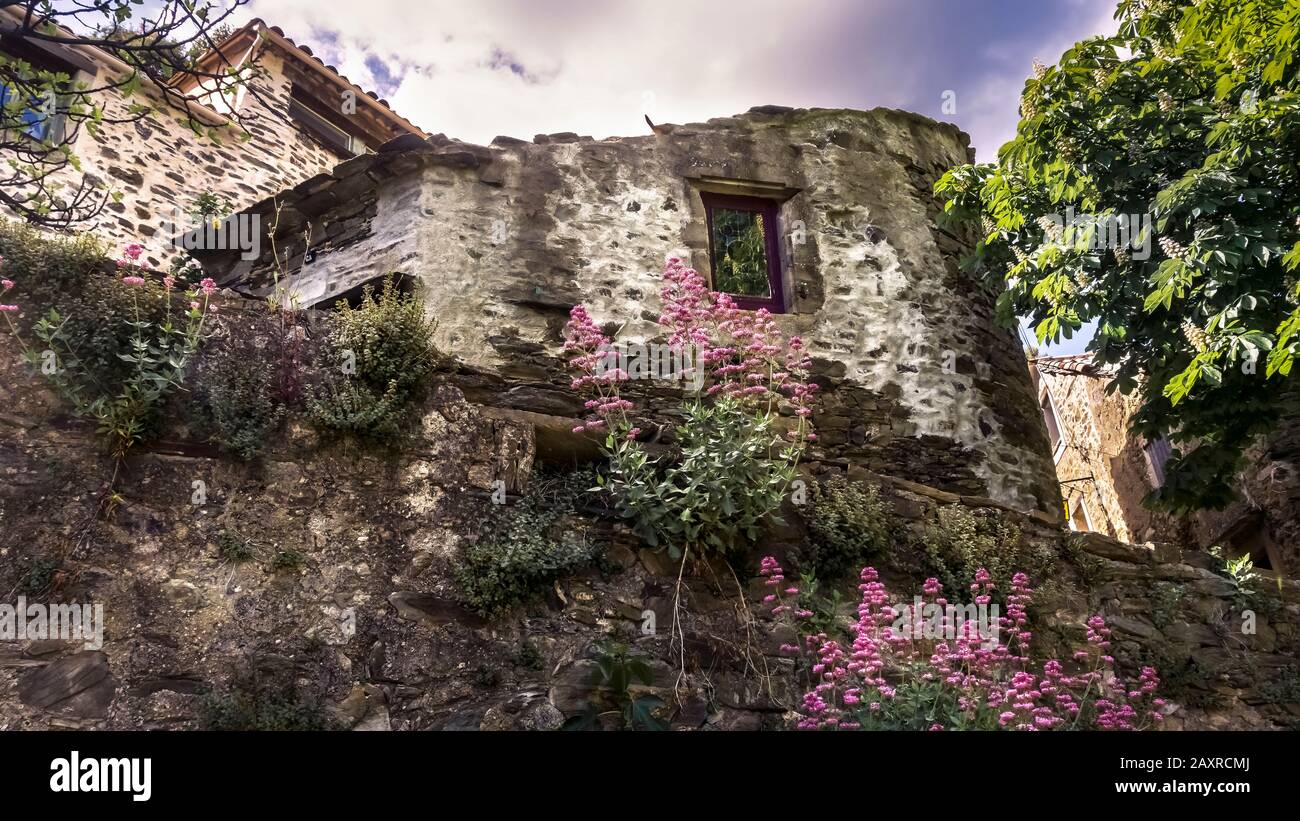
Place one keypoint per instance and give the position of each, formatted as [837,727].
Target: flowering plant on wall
[925,666]
[158,347]
[744,418]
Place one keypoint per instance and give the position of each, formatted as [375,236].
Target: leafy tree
[43,109]
[1189,118]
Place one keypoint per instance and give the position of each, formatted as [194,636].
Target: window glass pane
[740,253]
[1049,417]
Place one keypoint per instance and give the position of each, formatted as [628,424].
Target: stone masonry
[504,239]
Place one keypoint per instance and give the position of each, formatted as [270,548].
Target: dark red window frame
[772,242]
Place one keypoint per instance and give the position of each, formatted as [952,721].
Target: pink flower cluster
[986,682]
[7,285]
[744,354]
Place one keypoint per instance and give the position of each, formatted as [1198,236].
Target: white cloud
[591,66]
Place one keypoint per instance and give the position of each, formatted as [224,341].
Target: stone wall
[1099,462]
[159,164]
[504,240]
[369,628]
[1110,470]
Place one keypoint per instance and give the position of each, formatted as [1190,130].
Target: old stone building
[303,118]
[1105,473]
[504,239]
[330,571]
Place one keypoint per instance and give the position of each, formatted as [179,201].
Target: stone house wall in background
[159,164]
[1108,472]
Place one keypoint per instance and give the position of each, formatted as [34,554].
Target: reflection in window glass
[740,253]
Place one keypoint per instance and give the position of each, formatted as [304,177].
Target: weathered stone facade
[159,164]
[1109,472]
[503,240]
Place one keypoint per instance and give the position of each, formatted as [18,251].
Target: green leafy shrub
[288,559]
[616,670]
[39,576]
[1165,599]
[235,398]
[731,472]
[378,359]
[1282,688]
[50,269]
[961,541]
[252,710]
[848,524]
[524,548]
[116,351]
[1249,589]
[232,547]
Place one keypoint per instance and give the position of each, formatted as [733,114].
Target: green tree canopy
[1188,119]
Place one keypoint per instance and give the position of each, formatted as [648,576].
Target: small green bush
[523,549]
[962,541]
[848,526]
[378,359]
[39,576]
[235,399]
[249,710]
[731,472]
[232,547]
[49,268]
[288,559]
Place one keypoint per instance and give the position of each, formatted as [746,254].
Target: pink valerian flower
[194,306]
[133,280]
[989,681]
[8,309]
[7,284]
[132,252]
[169,281]
[208,286]
[743,354]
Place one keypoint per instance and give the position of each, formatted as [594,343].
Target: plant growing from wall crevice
[848,525]
[378,359]
[740,435]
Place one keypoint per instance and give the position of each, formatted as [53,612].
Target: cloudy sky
[523,67]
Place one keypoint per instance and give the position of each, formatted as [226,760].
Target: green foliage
[731,471]
[961,541]
[39,576]
[1165,599]
[1182,678]
[1249,589]
[826,616]
[113,352]
[379,357]
[848,525]
[288,559]
[524,548]
[49,268]
[1090,568]
[235,401]
[1283,688]
[614,675]
[528,656]
[253,710]
[232,547]
[1189,114]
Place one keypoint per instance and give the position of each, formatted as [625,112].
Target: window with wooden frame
[745,250]
[323,124]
